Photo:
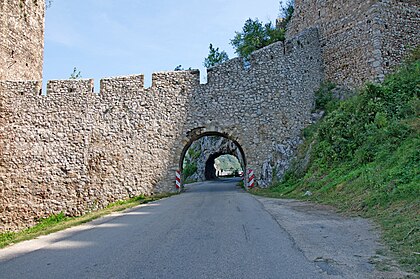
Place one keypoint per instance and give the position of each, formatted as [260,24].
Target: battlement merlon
[232,67]
[20,88]
[174,79]
[75,86]
[131,84]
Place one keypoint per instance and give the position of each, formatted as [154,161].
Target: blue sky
[106,38]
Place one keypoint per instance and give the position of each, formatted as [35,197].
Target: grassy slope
[365,159]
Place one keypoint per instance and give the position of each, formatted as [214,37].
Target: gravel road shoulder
[343,247]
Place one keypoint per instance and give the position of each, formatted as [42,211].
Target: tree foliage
[76,74]
[48,3]
[286,12]
[215,57]
[256,34]
[250,39]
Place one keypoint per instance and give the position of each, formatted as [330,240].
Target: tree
[215,57]
[250,39]
[255,35]
[48,4]
[274,34]
[180,68]
[76,74]
[286,12]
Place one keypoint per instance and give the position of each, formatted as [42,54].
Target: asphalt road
[213,230]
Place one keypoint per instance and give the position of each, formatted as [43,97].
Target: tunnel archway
[211,174]
[210,170]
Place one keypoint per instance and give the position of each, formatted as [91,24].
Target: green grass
[365,160]
[60,222]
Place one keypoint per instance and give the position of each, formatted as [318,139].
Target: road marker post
[251,179]
[178,179]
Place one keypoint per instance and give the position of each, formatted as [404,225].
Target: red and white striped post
[251,179]
[178,179]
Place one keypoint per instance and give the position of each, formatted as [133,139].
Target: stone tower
[21,39]
[361,40]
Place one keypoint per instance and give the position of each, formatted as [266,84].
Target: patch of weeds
[241,184]
[324,96]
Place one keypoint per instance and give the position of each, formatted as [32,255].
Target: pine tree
[215,57]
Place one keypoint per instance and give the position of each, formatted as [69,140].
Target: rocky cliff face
[279,162]
[204,151]
[203,155]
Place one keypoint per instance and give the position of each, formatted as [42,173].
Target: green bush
[324,96]
[189,169]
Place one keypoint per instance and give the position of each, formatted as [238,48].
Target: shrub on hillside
[375,115]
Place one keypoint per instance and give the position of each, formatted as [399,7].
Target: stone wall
[76,151]
[400,26]
[361,40]
[22,39]
[263,106]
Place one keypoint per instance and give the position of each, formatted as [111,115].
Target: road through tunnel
[222,165]
[209,156]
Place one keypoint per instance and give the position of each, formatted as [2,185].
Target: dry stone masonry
[361,40]
[21,39]
[74,150]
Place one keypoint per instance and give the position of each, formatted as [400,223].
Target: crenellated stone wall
[21,39]
[361,40]
[74,150]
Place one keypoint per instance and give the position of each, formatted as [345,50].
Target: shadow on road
[217,185]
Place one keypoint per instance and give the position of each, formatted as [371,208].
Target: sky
[108,38]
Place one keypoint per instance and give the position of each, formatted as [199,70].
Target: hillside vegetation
[363,157]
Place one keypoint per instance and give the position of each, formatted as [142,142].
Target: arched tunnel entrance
[210,171]
[220,164]
[201,154]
